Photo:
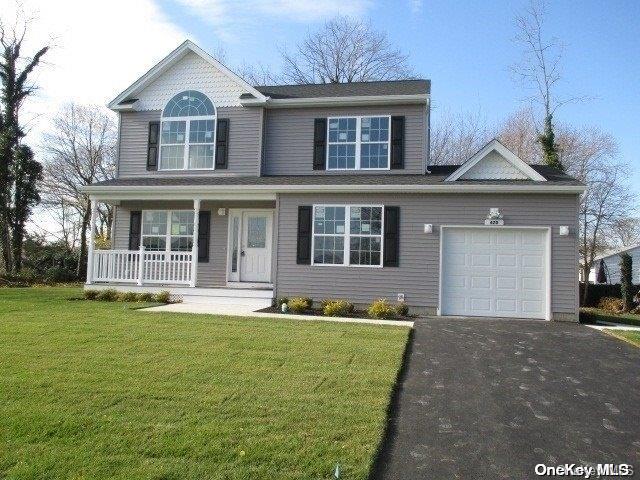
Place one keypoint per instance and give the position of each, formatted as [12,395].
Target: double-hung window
[358,143]
[348,235]
[167,230]
[187,134]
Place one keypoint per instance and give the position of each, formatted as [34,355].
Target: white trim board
[171,59]
[507,154]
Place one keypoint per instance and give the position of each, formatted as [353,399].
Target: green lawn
[96,390]
[632,337]
[595,314]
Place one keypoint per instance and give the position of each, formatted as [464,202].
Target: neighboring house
[229,190]
[611,265]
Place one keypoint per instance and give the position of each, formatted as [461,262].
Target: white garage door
[494,272]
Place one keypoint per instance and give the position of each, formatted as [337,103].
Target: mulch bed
[317,312]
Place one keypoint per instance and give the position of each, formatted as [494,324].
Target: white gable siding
[612,267]
[493,167]
[190,73]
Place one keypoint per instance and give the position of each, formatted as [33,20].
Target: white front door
[255,246]
[494,272]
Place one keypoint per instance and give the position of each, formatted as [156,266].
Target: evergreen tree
[626,265]
[27,172]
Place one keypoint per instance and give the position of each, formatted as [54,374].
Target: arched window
[188,132]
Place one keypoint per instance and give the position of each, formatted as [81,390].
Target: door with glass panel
[250,246]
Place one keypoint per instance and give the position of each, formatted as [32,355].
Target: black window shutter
[397,142]
[204,224]
[304,235]
[391,237]
[222,143]
[135,226]
[152,145]
[319,143]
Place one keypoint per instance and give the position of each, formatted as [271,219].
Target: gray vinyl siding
[245,143]
[418,274]
[289,137]
[212,273]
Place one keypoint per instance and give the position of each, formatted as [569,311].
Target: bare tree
[258,74]
[345,50]
[80,150]
[540,70]
[455,137]
[591,156]
[519,134]
[625,232]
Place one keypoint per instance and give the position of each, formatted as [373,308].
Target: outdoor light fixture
[222,212]
[563,230]
[428,228]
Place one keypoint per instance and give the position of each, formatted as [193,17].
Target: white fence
[157,267]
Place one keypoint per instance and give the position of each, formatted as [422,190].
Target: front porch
[195,249]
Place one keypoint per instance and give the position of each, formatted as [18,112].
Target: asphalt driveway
[493,398]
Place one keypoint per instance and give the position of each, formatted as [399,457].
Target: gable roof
[495,145]
[126,98]
[612,253]
[354,89]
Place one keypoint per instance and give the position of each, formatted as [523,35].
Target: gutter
[338,101]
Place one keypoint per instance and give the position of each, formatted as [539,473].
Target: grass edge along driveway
[96,390]
[629,336]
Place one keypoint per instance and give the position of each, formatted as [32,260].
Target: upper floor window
[188,131]
[358,143]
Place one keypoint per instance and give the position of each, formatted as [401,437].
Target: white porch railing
[157,267]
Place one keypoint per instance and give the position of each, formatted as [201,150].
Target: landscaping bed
[380,309]
[319,313]
[595,315]
[91,389]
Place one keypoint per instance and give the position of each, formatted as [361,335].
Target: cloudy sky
[465,48]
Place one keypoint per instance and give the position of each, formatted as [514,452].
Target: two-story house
[229,190]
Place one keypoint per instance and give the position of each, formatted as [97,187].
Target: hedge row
[597,291]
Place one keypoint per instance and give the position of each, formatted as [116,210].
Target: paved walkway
[493,398]
[247,309]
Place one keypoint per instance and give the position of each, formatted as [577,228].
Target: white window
[358,143]
[348,235]
[167,230]
[188,133]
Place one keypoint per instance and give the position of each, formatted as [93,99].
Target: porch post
[194,250]
[140,263]
[92,228]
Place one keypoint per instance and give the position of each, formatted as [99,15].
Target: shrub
[381,308]
[299,304]
[626,287]
[402,309]
[127,297]
[337,308]
[144,297]
[91,294]
[163,296]
[611,304]
[108,295]
[277,302]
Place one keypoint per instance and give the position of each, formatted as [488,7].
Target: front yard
[96,390]
[632,337]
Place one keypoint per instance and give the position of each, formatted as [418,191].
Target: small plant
[277,302]
[381,308]
[402,309]
[299,304]
[91,294]
[163,297]
[611,304]
[127,297]
[108,295]
[144,297]
[336,308]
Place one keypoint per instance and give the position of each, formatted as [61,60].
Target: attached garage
[495,272]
